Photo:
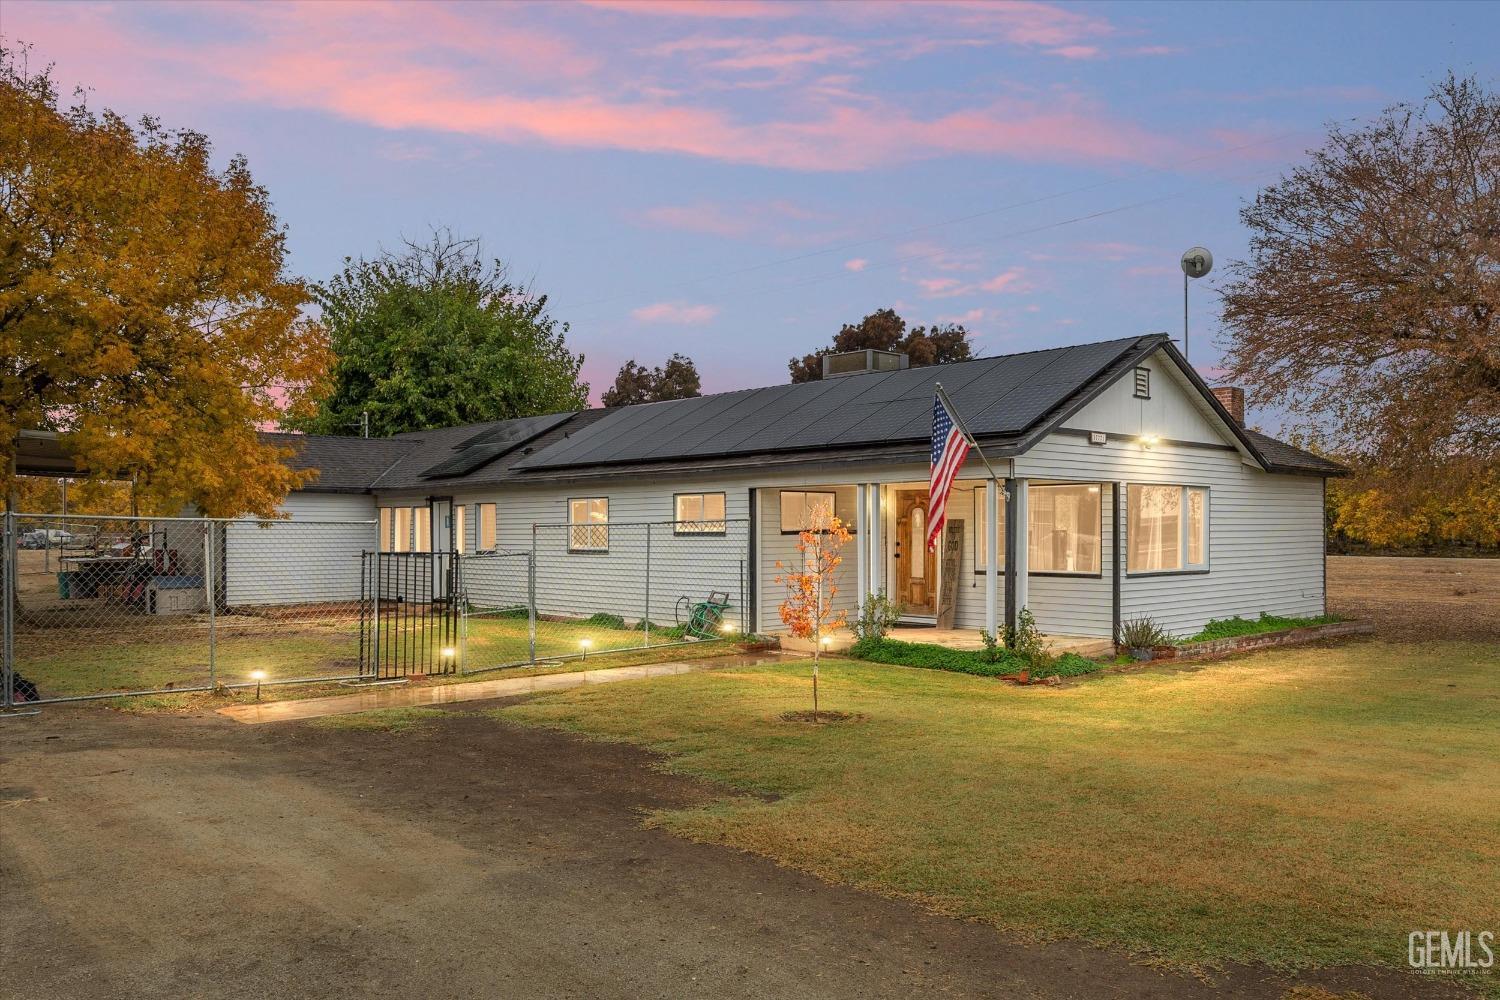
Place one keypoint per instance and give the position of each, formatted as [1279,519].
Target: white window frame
[484,527]
[1097,489]
[1184,567]
[981,547]
[585,535]
[684,523]
[805,508]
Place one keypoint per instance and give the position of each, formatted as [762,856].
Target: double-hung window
[588,524]
[1167,528]
[460,543]
[698,514]
[1064,525]
[802,510]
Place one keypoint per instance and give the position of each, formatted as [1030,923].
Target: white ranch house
[1124,487]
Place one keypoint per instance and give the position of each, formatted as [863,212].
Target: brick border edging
[1263,640]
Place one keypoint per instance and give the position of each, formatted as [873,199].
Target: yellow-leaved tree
[808,610]
[145,308]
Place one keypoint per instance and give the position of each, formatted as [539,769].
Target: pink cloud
[476,72]
[1076,51]
[676,313]
[725,9]
[779,221]
[941,287]
[1010,281]
[857,264]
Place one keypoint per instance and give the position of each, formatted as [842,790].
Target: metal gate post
[212,593]
[531,596]
[375,649]
[646,618]
[8,589]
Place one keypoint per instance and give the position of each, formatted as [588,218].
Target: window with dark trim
[800,508]
[1064,530]
[1166,528]
[698,514]
[588,524]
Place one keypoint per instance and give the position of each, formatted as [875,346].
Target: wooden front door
[916,568]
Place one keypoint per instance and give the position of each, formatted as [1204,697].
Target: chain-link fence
[101,606]
[108,606]
[585,589]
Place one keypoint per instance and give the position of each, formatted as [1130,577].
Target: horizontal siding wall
[295,562]
[1265,539]
[776,547]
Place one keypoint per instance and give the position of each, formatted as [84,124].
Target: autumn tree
[436,334]
[1367,307]
[145,308]
[808,611]
[677,379]
[884,330]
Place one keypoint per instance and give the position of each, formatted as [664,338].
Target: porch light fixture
[1149,441]
[257,676]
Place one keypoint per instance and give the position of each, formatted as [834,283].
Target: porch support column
[875,563]
[991,556]
[861,548]
[1023,545]
[1015,550]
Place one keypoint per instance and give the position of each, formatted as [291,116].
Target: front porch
[1007,544]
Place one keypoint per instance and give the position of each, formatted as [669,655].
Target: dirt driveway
[168,857]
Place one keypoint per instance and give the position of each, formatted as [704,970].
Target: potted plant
[1141,636]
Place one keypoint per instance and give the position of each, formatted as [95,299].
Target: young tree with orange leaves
[145,308]
[808,611]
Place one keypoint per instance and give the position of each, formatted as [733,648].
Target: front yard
[1310,806]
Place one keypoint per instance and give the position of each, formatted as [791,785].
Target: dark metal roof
[999,397]
[1008,402]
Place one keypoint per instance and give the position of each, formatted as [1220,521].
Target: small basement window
[1143,383]
[588,525]
[698,514]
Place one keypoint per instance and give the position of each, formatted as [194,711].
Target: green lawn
[1299,807]
[143,653]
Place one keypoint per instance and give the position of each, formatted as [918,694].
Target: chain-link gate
[99,606]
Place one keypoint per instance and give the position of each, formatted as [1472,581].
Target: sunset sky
[735,180]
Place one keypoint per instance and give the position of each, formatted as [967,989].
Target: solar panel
[490,444]
[995,395]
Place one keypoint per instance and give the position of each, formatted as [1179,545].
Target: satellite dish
[1197,262]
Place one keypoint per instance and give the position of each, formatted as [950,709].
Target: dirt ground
[1418,598]
[149,856]
[170,856]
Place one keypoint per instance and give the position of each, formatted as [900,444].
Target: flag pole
[953,412]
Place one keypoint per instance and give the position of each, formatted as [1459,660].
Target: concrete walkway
[447,694]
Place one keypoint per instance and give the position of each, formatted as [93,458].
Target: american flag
[949,448]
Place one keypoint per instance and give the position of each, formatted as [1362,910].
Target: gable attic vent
[860,362]
[1143,383]
[1232,398]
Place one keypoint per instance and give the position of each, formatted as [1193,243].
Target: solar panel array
[1002,395]
[491,443]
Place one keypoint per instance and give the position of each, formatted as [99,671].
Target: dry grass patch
[1298,807]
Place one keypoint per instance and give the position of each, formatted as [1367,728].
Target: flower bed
[1236,643]
[969,661]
